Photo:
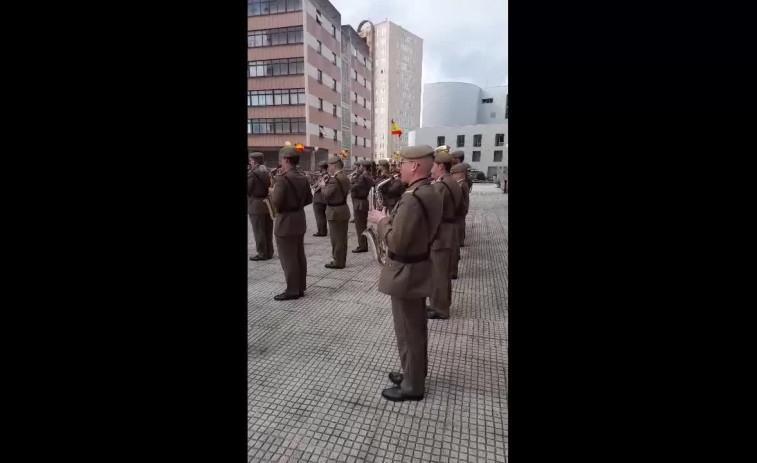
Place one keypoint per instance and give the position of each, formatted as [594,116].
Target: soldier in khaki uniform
[446,237]
[458,174]
[319,204]
[458,157]
[290,195]
[335,193]
[391,190]
[360,188]
[258,183]
[406,275]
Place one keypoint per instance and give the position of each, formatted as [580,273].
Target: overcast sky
[463,40]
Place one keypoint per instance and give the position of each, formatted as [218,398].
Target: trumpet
[316,186]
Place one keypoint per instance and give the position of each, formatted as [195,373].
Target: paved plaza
[317,365]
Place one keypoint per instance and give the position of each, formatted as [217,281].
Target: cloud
[462,40]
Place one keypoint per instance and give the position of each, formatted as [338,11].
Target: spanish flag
[396,129]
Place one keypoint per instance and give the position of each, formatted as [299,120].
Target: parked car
[477,176]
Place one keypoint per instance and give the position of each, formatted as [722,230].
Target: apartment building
[398,55]
[295,81]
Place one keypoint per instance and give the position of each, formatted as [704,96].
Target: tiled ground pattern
[317,365]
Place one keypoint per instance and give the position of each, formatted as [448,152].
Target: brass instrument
[267,201]
[316,186]
[443,149]
[371,234]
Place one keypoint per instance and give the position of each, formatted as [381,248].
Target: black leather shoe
[256,258]
[434,315]
[352,221]
[285,297]
[396,377]
[454,277]
[359,250]
[333,266]
[395,395]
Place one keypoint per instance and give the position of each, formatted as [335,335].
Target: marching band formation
[411,213]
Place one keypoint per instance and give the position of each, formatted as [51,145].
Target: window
[271,37]
[477,141]
[460,141]
[320,131]
[439,141]
[333,31]
[333,59]
[364,142]
[364,103]
[335,136]
[286,97]
[276,126]
[498,156]
[355,140]
[334,108]
[355,100]
[487,100]
[499,139]
[354,74]
[320,76]
[333,85]
[265,7]
[477,156]
[320,104]
[276,67]
[318,16]
[320,47]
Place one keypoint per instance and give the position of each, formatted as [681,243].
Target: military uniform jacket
[258,182]
[335,193]
[407,235]
[291,194]
[451,195]
[318,196]
[360,190]
[465,204]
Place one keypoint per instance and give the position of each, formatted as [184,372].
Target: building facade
[469,118]
[295,81]
[398,56]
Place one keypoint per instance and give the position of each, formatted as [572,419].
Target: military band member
[458,157]
[319,204]
[465,183]
[391,190]
[290,194]
[360,187]
[258,183]
[337,211]
[458,174]
[446,237]
[406,275]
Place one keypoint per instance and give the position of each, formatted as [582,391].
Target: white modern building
[469,118]
[398,56]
